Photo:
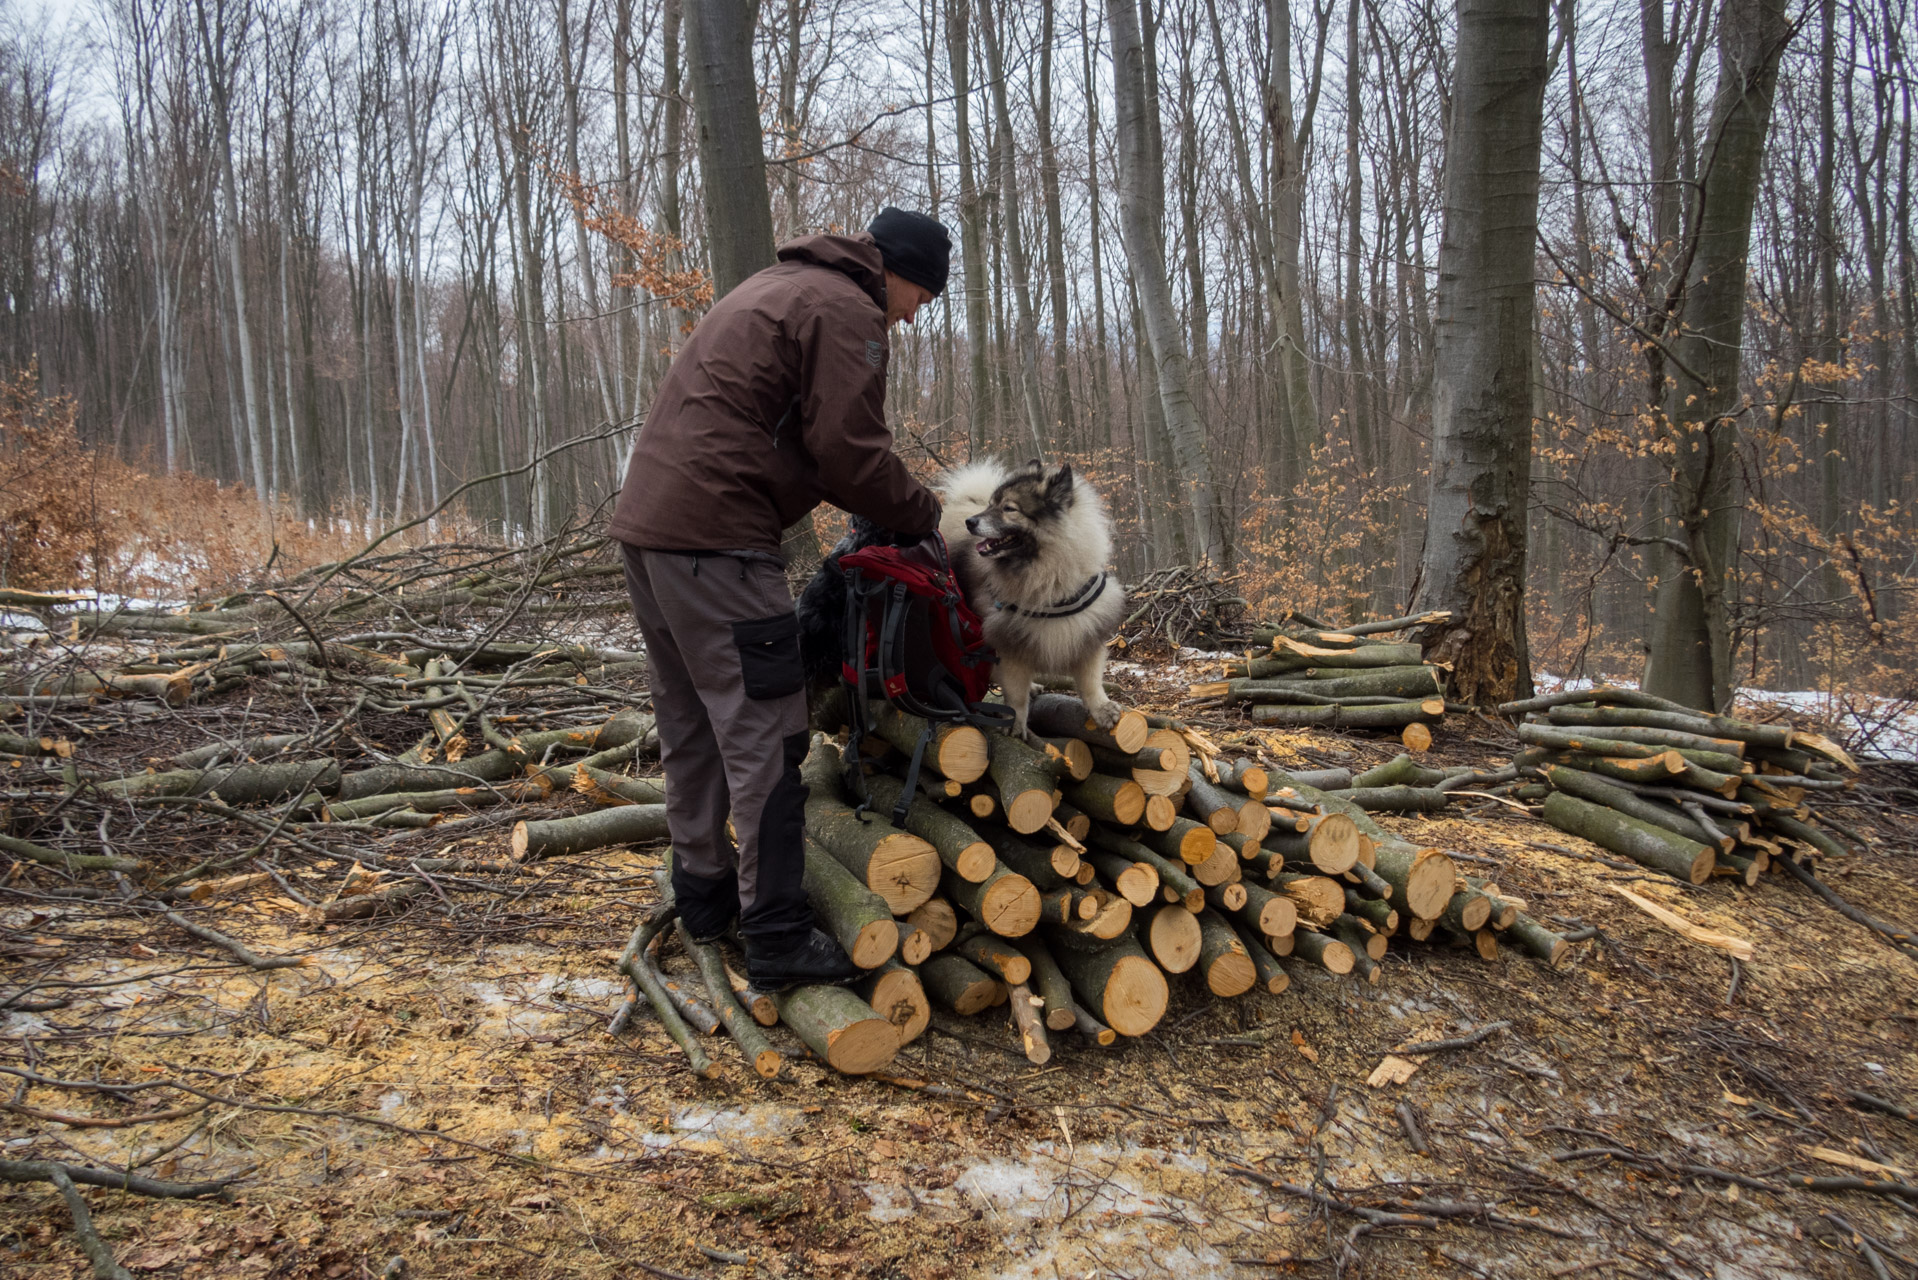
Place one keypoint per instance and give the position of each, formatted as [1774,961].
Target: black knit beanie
[914,246]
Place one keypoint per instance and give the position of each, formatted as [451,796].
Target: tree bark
[1476,517]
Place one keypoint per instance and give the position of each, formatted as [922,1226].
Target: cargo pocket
[769,656]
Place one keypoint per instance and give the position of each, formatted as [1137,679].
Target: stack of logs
[1067,878]
[1686,793]
[1338,680]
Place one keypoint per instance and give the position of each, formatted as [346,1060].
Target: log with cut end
[756,1002]
[1329,844]
[1185,841]
[1226,899]
[753,1045]
[1215,806]
[1377,912]
[1223,960]
[957,751]
[915,945]
[1061,906]
[1120,984]
[1032,1028]
[1024,781]
[1136,882]
[621,824]
[1648,735]
[1220,867]
[993,954]
[1049,866]
[839,1027]
[1058,715]
[1396,799]
[1271,914]
[958,984]
[897,995]
[1247,777]
[1175,878]
[1281,946]
[1416,736]
[1076,822]
[1467,911]
[1005,902]
[856,917]
[958,845]
[1160,812]
[1290,656]
[1055,993]
[1411,683]
[603,787]
[1539,941]
[1642,842]
[895,864]
[433,801]
[1360,937]
[1070,755]
[1270,977]
[1599,790]
[1659,769]
[1403,771]
[1780,737]
[1113,918]
[1335,715]
[1318,900]
[1328,953]
[1108,799]
[935,918]
[236,784]
[1171,933]
[1421,879]
[1153,757]
[1090,1027]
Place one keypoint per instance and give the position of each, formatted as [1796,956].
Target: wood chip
[1393,1069]
[1737,948]
[1831,1155]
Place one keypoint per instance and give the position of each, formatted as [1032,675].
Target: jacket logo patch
[875,352]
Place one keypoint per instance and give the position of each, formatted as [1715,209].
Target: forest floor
[436,1094]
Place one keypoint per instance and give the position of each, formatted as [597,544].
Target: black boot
[816,958]
[708,905]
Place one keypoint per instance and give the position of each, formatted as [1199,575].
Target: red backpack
[912,639]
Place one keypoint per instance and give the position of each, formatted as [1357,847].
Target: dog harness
[1078,602]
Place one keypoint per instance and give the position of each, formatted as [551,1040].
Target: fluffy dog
[1030,547]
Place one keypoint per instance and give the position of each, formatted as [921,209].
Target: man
[775,403]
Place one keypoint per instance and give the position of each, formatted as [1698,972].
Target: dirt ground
[438,1095]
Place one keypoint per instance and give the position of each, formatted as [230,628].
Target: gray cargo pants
[722,651]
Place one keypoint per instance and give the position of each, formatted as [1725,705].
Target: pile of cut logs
[1342,679]
[1690,794]
[1069,877]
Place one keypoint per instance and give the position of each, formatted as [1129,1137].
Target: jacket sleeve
[842,394]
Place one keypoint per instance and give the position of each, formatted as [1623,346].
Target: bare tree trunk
[1138,162]
[1055,237]
[1363,446]
[1690,658]
[1474,563]
[732,157]
[220,49]
[972,248]
[1026,340]
[1290,138]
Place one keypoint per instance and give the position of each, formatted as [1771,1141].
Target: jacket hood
[855,256]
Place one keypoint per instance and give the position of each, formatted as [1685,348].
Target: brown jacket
[775,404]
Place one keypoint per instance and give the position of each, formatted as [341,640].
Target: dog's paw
[1106,714]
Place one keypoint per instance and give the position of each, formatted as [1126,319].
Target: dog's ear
[1059,485]
[1033,469]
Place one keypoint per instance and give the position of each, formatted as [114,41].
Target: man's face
[904,298]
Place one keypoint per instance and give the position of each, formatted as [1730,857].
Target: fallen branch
[1485,1032]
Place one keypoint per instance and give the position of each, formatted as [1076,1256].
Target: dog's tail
[968,490]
